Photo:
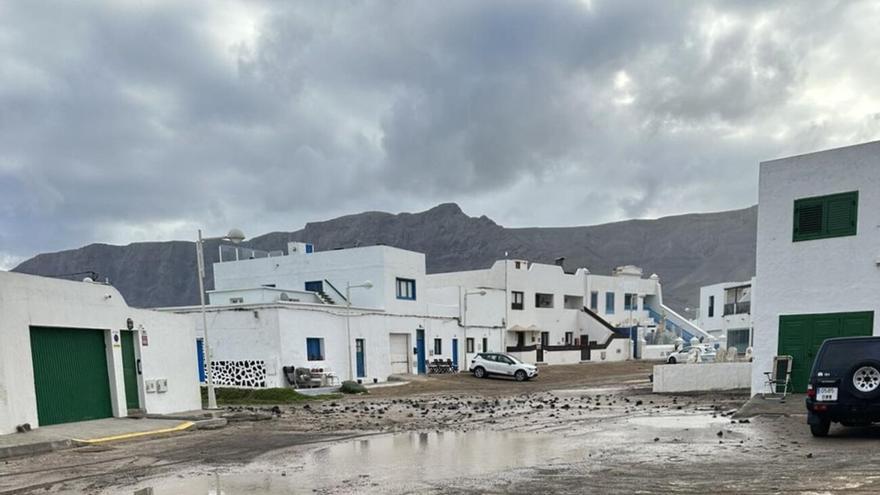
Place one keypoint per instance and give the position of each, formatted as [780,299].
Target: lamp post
[235,236]
[464,317]
[348,287]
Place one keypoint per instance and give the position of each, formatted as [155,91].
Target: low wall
[617,350]
[702,377]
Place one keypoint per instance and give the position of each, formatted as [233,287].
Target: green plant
[352,387]
[259,396]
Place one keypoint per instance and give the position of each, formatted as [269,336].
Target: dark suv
[844,384]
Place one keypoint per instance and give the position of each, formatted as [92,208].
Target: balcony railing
[737,308]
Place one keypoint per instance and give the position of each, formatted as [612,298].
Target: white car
[707,353]
[490,363]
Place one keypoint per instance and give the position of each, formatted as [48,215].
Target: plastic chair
[779,377]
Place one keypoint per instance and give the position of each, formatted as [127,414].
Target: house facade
[725,312]
[818,255]
[74,351]
[366,313]
[362,314]
[555,317]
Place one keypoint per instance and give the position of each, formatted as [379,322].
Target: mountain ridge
[686,251]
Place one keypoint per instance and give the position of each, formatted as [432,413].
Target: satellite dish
[284,297]
[88,279]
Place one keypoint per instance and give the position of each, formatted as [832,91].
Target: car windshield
[842,355]
[515,360]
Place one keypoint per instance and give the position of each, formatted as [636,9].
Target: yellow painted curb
[125,436]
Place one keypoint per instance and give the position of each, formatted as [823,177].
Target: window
[517,264]
[711,306]
[485,344]
[543,300]
[469,345]
[594,301]
[737,300]
[314,349]
[572,302]
[518,300]
[631,302]
[406,289]
[545,339]
[569,338]
[739,338]
[438,346]
[826,216]
[236,300]
[609,303]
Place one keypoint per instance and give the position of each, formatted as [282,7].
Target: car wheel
[671,360]
[863,379]
[480,372]
[520,375]
[821,428]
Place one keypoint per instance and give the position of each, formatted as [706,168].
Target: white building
[818,255]
[268,313]
[72,351]
[295,310]
[555,317]
[725,313]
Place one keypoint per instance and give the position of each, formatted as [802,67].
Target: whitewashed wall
[27,301]
[701,377]
[277,333]
[822,276]
[381,265]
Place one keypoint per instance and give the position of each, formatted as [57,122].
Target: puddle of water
[398,462]
[679,422]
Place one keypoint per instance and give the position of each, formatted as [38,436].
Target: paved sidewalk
[56,437]
[757,406]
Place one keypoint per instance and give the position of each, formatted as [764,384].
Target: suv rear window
[838,357]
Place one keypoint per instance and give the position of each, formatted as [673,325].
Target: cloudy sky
[130,121]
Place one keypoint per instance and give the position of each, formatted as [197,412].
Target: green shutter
[842,211]
[826,216]
[70,375]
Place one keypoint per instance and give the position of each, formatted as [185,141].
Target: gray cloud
[124,122]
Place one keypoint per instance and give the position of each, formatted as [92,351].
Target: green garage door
[70,375]
[801,335]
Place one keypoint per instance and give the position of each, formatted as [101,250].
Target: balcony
[739,308]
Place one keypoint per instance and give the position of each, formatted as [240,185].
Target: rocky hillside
[686,251]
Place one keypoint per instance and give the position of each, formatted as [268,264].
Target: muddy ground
[580,428]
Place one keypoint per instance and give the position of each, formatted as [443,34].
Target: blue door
[361,362]
[455,353]
[200,354]
[420,351]
[634,335]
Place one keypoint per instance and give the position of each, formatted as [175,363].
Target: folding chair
[779,377]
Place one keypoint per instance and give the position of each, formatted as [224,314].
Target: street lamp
[464,316]
[234,236]
[365,285]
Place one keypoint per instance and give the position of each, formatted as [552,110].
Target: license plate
[826,394]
